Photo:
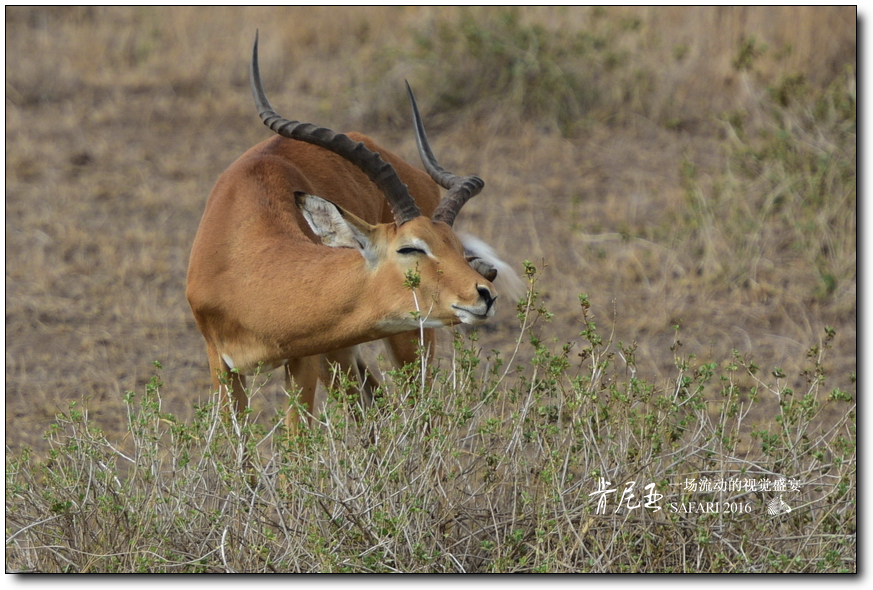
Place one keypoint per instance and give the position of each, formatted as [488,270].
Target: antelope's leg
[404,348]
[352,364]
[301,374]
[229,384]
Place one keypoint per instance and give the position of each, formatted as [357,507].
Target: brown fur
[265,290]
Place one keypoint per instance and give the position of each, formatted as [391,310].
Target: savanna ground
[691,170]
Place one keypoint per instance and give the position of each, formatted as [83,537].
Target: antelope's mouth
[473,317]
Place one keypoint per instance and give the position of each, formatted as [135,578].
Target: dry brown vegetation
[691,169]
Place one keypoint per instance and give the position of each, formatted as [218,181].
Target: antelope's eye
[409,250]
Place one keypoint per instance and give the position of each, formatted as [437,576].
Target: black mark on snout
[485,294]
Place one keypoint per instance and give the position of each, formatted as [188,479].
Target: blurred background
[692,170]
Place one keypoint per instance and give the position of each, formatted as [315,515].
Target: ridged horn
[378,170]
[461,188]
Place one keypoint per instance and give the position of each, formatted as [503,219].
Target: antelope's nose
[487,296]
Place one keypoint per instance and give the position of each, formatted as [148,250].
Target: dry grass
[687,167]
[479,472]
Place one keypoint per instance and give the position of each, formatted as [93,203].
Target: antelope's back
[252,203]
[291,165]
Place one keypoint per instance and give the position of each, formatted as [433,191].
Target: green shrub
[484,466]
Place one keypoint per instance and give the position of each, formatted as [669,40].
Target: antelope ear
[335,226]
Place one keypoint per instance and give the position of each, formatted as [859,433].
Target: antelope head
[418,271]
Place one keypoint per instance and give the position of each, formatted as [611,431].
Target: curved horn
[461,188]
[378,170]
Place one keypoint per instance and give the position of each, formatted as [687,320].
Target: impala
[306,249]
